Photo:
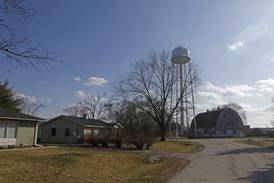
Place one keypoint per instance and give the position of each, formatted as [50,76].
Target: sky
[232,42]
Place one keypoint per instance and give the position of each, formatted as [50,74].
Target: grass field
[259,142]
[82,165]
[177,147]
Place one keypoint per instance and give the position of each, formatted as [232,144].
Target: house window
[3,126]
[67,132]
[11,130]
[7,130]
[53,131]
[95,132]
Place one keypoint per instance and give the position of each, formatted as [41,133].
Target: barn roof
[207,119]
[8,114]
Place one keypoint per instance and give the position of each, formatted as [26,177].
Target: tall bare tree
[15,48]
[95,105]
[151,82]
[76,110]
[116,111]
[30,107]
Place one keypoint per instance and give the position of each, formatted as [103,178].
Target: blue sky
[231,41]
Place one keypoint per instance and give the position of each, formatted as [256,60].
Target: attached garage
[17,129]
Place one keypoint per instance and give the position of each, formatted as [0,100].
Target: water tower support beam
[193,102]
[182,92]
[177,112]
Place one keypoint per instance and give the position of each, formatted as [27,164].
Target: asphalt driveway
[226,161]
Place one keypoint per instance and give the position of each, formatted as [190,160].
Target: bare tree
[138,128]
[117,111]
[15,48]
[151,82]
[76,110]
[95,105]
[29,107]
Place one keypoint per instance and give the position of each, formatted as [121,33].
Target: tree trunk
[163,131]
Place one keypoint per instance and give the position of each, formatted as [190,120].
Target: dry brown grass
[177,147]
[82,165]
[259,142]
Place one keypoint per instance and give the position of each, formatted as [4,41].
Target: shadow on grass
[252,150]
[262,175]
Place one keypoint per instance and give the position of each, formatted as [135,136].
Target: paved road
[225,161]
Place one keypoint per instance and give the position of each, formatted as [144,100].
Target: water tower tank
[180,55]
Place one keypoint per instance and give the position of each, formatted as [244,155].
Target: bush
[94,142]
[103,141]
[150,142]
[117,141]
[139,145]
[141,142]
[11,146]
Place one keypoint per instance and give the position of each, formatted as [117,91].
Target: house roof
[7,114]
[87,122]
[207,119]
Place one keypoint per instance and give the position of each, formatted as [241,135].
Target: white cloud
[80,93]
[241,90]
[45,100]
[254,98]
[34,100]
[266,85]
[31,99]
[266,82]
[248,36]
[76,78]
[236,45]
[95,81]
[269,59]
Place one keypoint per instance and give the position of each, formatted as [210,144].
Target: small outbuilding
[73,130]
[18,129]
[221,122]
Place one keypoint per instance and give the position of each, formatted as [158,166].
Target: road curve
[226,161]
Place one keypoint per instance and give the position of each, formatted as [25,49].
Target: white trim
[21,119]
[7,141]
[35,135]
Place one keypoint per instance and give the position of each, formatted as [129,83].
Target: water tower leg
[186,100]
[193,102]
[177,112]
[182,98]
[171,102]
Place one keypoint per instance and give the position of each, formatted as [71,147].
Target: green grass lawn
[177,147]
[267,143]
[82,165]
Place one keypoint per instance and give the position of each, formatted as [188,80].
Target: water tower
[181,60]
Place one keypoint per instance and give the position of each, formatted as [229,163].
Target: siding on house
[60,124]
[7,141]
[17,128]
[25,133]
[81,129]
